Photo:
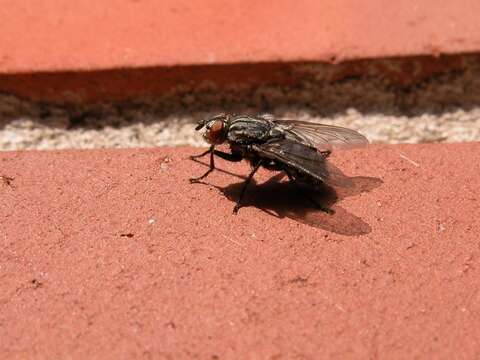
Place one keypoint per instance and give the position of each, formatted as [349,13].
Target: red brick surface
[127,84]
[54,35]
[113,254]
[58,50]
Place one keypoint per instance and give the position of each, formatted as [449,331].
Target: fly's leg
[210,149]
[221,154]
[227,156]
[212,165]
[325,153]
[305,195]
[245,185]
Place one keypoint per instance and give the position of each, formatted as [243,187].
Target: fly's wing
[321,136]
[305,159]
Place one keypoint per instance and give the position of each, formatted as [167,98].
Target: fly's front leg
[210,149]
[226,156]
[245,185]
[212,165]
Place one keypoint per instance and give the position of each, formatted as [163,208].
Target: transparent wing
[321,136]
[305,159]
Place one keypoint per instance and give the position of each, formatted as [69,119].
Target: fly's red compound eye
[214,133]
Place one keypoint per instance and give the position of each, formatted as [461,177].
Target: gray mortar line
[444,108]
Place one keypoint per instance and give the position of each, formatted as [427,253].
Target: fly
[299,148]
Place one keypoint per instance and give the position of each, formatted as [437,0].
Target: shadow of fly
[299,148]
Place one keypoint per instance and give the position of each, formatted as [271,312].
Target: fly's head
[216,128]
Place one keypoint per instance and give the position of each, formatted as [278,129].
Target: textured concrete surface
[113,254]
[52,35]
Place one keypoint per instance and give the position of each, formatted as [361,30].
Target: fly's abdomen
[247,130]
[303,178]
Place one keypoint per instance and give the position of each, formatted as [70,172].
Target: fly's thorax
[276,133]
[248,130]
[244,150]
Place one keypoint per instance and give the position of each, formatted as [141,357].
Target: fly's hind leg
[305,195]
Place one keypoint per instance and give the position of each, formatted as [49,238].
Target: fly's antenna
[200,124]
